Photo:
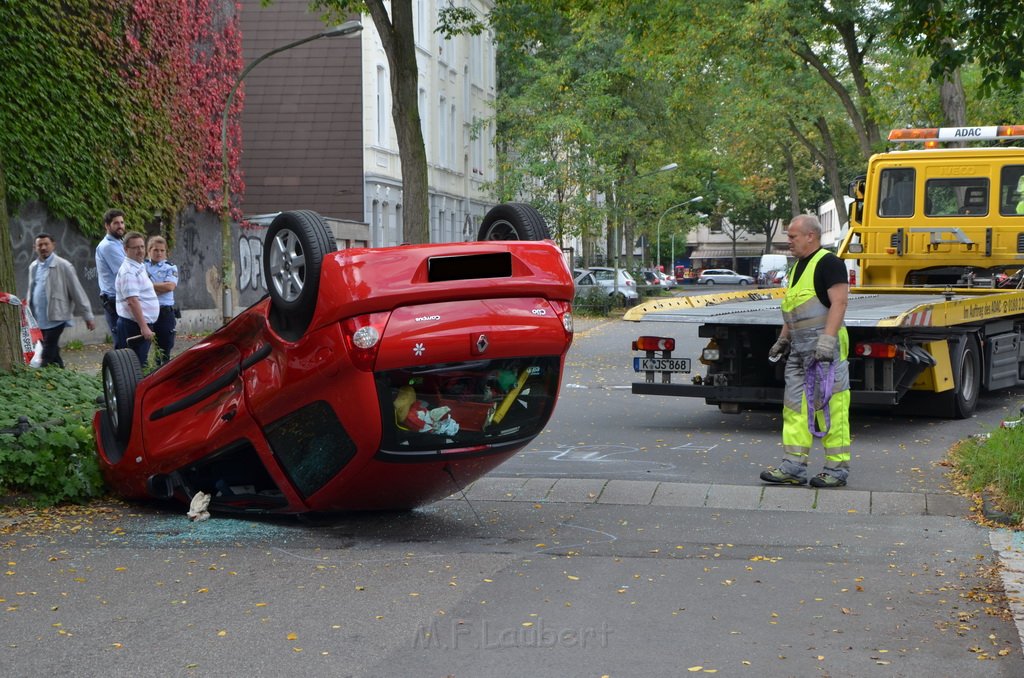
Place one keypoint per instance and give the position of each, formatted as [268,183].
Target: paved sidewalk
[705,495]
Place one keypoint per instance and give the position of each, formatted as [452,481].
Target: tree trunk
[954,103]
[396,35]
[832,170]
[794,184]
[829,159]
[10,319]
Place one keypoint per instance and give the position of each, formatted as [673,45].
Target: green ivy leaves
[116,103]
[55,460]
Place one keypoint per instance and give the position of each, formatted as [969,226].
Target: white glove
[779,350]
[825,351]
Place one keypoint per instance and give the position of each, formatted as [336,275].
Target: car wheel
[293,254]
[513,221]
[709,281]
[121,374]
[744,282]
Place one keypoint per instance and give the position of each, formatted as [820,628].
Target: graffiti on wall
[195,250]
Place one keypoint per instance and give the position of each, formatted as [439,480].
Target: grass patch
[49,452]
[995,465]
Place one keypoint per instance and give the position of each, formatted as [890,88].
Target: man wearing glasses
[137,305]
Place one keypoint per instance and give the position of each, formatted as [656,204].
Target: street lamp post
[615,209]
[657,261]
[347,28]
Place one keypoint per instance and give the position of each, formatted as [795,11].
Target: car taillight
[362,338]
[654,344]
[875,349]
[564,311]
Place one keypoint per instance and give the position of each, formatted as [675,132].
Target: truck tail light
[654,344]
[362,338]
[875,349]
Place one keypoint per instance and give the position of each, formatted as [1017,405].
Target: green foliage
[116,103]
[955,33]
[55,460]
[995,464]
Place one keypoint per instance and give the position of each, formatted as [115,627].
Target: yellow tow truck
[938,314]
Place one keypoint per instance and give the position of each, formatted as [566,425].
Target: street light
[347,28]
[615,228]
[657,261]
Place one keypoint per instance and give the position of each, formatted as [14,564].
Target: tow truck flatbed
[919,309]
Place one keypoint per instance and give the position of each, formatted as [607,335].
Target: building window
[382,106]
[443,130]
[453,138]
[424,127]
[420,26]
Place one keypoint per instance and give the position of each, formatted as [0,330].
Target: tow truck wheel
[513,221]
[966,378]
[121,374]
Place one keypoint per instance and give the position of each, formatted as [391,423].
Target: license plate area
[679,365]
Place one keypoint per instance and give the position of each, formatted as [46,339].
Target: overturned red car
[367,379]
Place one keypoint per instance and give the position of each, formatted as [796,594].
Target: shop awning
[726,252]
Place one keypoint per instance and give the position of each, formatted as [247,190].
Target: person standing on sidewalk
[815,339]
[164,275]
[137,305]
[54,294]
[109,256]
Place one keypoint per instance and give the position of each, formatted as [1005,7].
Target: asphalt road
[582,556]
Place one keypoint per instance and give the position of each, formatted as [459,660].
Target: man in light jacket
[55,295]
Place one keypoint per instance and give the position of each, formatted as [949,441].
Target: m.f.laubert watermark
[481,635]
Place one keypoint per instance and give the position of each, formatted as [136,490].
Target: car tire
[709,282]
[293,255]
[744,282]
[513,221]
[121,374]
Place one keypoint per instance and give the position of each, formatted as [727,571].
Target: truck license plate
[661,365]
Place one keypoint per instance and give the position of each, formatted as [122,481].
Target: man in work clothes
[137,305]
[54,293]
[816,341]
[109,256]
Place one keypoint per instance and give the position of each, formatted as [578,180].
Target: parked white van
[772,269]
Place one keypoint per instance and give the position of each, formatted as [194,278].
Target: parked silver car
[723,276]
[604,278]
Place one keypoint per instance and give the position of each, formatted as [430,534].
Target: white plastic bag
[37,357]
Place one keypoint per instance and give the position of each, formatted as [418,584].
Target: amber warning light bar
[990,132]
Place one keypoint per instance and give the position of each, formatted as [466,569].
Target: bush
[591,302]
[995,464]
[53,458]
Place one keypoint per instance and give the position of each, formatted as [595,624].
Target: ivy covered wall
[117,103]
